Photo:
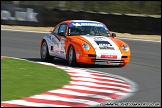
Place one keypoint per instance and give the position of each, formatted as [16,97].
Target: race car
[84,42]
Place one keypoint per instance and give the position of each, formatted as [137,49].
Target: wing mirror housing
[50,31]
[113,35]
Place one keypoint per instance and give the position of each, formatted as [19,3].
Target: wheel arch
[41,43]
[44,39]
[67,51]
[47,57]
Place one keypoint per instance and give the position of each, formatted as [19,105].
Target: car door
[58,39]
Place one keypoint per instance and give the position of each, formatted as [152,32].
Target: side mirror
[50,31]
[113,35]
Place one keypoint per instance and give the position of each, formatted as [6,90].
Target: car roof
[81,21]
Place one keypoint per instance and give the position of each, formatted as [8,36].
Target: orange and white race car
[84,42]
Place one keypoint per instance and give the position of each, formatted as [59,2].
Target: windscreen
[88,28]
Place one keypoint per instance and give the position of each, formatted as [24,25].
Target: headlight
[85,46]
[125,48]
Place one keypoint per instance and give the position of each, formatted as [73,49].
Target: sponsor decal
[87,24]
[56,51]
[61,52]
[104,45]
[54,40]
[91,24]
[62,40]
[99,39]
[109,56]
[48,36]
[77,54]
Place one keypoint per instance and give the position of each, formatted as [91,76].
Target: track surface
[86,88]
[144,67]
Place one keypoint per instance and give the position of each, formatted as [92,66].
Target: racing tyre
[71,57]
[44,53]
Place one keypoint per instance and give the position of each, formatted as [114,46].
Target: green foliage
[123,7]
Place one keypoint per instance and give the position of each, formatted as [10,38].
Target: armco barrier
[31,15]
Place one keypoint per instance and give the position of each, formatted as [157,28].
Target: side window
[56,30]
[62,28]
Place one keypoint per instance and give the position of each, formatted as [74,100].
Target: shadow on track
[62,62]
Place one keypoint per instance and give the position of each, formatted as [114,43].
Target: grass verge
[21,78]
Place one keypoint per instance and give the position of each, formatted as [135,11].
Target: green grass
[21,78]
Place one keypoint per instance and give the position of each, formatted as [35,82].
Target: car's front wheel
[45,53]
[71,56]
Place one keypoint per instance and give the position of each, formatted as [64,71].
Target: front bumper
[91,59]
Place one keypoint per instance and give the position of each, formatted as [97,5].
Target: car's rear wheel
[71,56]
[45,53]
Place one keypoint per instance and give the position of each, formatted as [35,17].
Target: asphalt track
[144,68]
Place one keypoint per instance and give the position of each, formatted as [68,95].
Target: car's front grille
[107,60]
[124,56]
[91,55]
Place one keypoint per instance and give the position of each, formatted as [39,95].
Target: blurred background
[136,17]
[123,7]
